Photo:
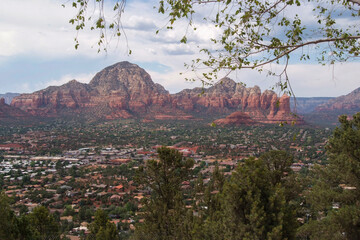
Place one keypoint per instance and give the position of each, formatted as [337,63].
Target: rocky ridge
[7,111]
[350,101]
[125,90]
[327,114]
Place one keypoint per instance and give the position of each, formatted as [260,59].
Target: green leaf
[183,40]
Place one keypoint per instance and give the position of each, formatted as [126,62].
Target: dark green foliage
[38,225]
[8,221]
[165,211]
[101,228]
[254,203]
[42,224]
[108,232]
[278,163]
[335,196]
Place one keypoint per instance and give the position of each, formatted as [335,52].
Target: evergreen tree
[109,232]
[101,228]
[8,221]
[254,203]
[211,222]
[335,196]
[254,207]
[43,225]
[165,211]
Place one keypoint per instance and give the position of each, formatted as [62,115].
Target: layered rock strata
[7,111]
[125,90]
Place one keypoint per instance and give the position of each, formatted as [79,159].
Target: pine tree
[254,203]
[43,224]
[165,211]
[108,232]
[8,221]
[335,196]
[250,201]
[101,228]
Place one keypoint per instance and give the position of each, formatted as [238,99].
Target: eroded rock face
[271,109]
[350,102]
[9,112]
[125,90]
[71,95]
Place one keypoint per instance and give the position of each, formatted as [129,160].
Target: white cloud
[324,81]
[141,23]
[306,80]
[83,78]
[40,28]
[173,81]
[7,44]
[29,87]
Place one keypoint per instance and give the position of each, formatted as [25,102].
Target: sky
[37,50]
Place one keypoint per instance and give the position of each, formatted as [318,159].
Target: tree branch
[313,42]
[295,47]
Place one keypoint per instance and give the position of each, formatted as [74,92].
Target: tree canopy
[335,195]
[252,34]
[165,210]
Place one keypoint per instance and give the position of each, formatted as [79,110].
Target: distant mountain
[349,102]
[9,96]
[124,90]
[329,112]
[306,105]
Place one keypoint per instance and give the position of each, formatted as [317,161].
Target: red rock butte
[9,112]
[124,90]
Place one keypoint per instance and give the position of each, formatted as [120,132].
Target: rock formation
[8,112]
[328,113]
[350,102]
[228,96]
[125,90]
[236,118]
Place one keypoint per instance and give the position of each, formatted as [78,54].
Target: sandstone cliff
[125,90]
[48,101]
[9,112]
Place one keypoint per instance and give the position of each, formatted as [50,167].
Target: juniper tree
[165,211]
[335,195]
[256,207]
